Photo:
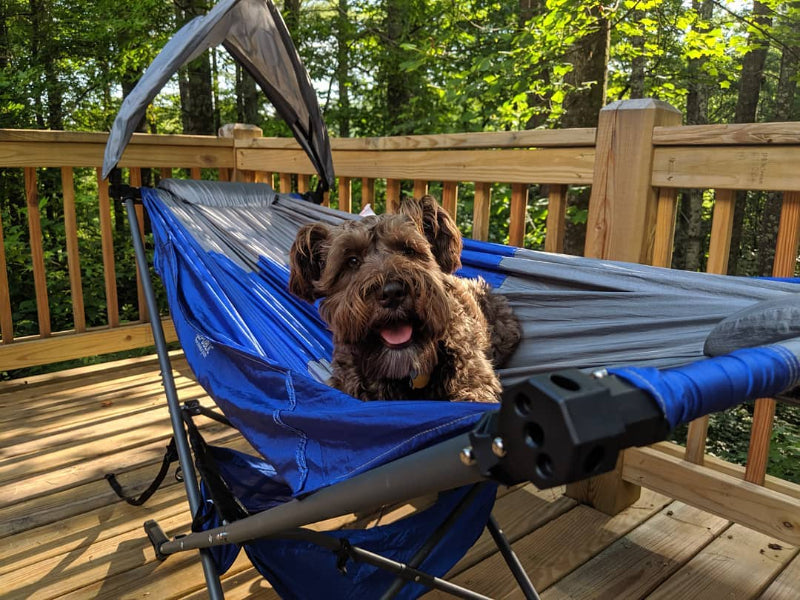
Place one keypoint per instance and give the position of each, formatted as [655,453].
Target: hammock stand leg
[524,582]
[403,571]
[432,541]
[178,430]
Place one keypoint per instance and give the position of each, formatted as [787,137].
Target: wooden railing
[636,161]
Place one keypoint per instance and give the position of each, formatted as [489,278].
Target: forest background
[392,67]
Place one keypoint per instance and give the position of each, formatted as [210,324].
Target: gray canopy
[256,36]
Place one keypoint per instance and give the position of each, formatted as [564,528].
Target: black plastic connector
[562,427]
[157,537]
[122,192]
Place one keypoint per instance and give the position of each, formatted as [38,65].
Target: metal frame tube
[178,430]
[433,540]
[427,471]
[524,582]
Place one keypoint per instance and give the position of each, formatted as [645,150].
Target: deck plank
[636,564]
[786,585]
[555,549]
[738,565]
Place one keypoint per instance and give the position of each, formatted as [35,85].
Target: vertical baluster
[480,211]
[265,177]
[6,321]
[165,173]
[450,197]
[136,181]
[303,183]
[107,244]
[286,183]
[392,195]
[196,173]
[721,227]
[556,219]
[519,212]
[783,266]
[73,253]
[37,252]
[367,192]
[345,194]
[664,237]
[420,188]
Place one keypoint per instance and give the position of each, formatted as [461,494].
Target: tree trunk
[527,10]
[398,81]
[246,97]
[783,111]
[690,232]
[582,108]
[746,108]
[197,107]
[638,62]
[343,35]
[291,15]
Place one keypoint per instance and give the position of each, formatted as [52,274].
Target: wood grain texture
[717,571]
[768,168]
[638,563]
[27,352]
[774,514]
[107,243]
[450,197]
[518,216]
[556,218]
[73,253]
[367,192]
[37,252]
[480,211]
[622,208]
[757,134]
[664,234]
[551,165]
[558,547]
[346,194]
[6,321]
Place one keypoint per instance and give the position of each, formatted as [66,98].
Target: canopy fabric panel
[256,36]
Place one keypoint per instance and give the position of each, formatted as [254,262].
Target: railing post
[241,134]
[622,208]
[621,226]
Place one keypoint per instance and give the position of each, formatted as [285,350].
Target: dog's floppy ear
[438,227]
[307,260]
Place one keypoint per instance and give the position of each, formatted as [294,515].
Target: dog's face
[382,280]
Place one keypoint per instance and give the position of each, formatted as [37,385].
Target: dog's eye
[353,262]
[409,251]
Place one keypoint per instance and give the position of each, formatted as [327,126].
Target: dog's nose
[392,294]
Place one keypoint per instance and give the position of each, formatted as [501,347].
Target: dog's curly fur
[403,326]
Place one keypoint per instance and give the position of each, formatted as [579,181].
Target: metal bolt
[498,447]
[600,373]
[467,456]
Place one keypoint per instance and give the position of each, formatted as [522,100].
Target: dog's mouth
[397,335]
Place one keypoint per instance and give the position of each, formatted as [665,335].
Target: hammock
[264,356]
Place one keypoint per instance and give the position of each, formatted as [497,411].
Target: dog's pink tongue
[397,335]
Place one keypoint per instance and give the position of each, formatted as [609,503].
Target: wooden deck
[65,535]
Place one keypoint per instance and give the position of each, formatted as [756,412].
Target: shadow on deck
[66,535]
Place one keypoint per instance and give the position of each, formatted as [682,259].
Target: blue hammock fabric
[263,355]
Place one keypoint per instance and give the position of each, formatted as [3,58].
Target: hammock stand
[262,356]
